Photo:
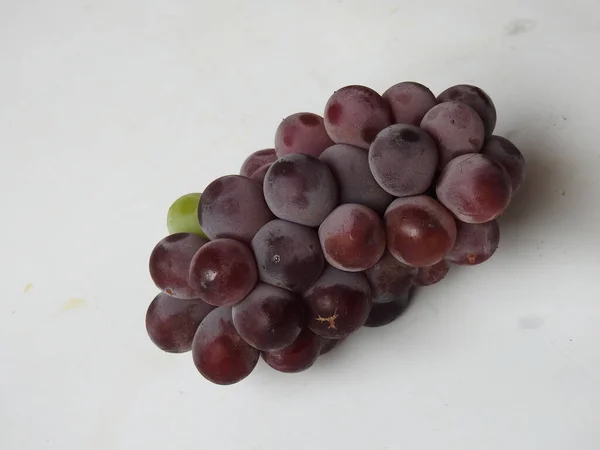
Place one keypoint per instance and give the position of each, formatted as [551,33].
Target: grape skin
[288,255]
[338,303]
[182,216]
[302,133]
[233,206]
[223,272]
[419,230]
[329,344]
[475,243]
[477,99]
[390,279]
[456,128]
[385,313]
[269,318]
[219,352]
[350,168]
[172,322]
[403,160]
[430,275]
[256,160]
[260,173]
[409,102]
[506,153]
[352,237]
[170,263]
[355,114]
[300,189]
[300,355]
[475,188]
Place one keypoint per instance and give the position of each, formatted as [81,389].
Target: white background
[111,109]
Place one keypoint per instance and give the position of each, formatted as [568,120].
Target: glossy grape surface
[300,355]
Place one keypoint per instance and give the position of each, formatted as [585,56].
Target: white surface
[111,109]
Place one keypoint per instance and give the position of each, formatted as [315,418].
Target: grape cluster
[331,230]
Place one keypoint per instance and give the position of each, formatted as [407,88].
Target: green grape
[183,215]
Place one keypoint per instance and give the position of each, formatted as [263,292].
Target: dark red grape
[475,243]
[300,189]
[288,255]
[338,303]
[296,357]
[475,188]
[390,279]
[350,168]
[223,272]
[409,102]
[456,128]
[172,322]
[260,173]
[233,206]
[355,114]
[477,99]
[219,352]
[433,274]
[170,263]
[302,133]
[420,231]
[385,313]
[352,237]
[507,154]
[329,344]
[256,160]
[403,160]
[269,318]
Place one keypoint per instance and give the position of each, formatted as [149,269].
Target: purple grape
[385,313]
[172,322]
[269,318]
[433,274]
[456,128]
[420,231]
[288,255]
[390,279]
[233,206]
[338,303]
[475,188]
[409,102]
[296,357]
[219,352]
[403,160]
[302,133]
[352,237]
[355,114]
[329,344]
[170,264]
[507,154]
[300,189]
[256,160]
[223,272]
[475,243]
[260,173]
[350,168]
[477,99]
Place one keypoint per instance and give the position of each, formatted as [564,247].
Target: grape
[223,272]
[476,99]
[269,318]
[256,160]
[475,243]
[288,255]
[456,129]
[183,215]
[329,344]
[403,160]
[390,279]
[233,207]
[352,237]
[355,114]
[259,174]
[475,188]
[507,154]
[219,352]
[384,313]
[301,189]
[296,357]
[302,133]
[409,102]
[338,303]
[433,274]
[170,263]
[420,231]
[172,322]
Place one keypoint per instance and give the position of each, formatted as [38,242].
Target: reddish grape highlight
[475,243]
[302,133]
[296,357]
[409,102]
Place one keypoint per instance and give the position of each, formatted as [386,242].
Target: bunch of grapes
[331,230]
